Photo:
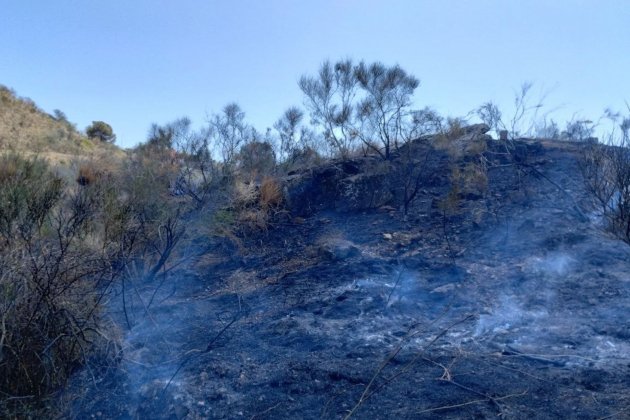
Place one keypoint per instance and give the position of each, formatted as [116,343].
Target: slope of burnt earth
[512,302]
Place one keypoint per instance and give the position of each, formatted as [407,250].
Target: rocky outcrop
[370,182]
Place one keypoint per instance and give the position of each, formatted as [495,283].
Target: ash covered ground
[514,306]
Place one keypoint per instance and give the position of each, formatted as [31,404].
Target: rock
[346,186]
[388,236]
[476,129]
[444,289]
[338,249]
[386,209]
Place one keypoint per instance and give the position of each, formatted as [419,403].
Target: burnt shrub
[257,158]
[606,172]
[142,218]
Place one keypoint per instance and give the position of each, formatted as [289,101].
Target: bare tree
[170,135]
[415,154]
[525,117]
[384,111]
[490,114]
[370,102]
[295,137]
[287,128]
[579,129]
[330,99]
[230,132]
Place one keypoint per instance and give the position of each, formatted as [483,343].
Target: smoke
[508,314]
[552,265]
[152,351]
[524,307]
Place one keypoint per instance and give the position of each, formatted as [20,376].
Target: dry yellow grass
[26,129]
[270,193]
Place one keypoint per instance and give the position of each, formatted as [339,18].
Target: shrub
[257,158]
[50,281]
[606,172]
[143,221]
[87,175]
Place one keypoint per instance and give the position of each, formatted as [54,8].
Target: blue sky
[132,63]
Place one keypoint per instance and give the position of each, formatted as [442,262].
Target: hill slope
[27,129]
[511,301]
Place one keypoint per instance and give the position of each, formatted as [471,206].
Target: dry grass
[255,207]
[8,169]
[474,178]
[244,193]
[270,193]
[26,129]
[454,141]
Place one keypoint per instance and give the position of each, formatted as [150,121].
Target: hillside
[490,296]
[456,276]
[27,129]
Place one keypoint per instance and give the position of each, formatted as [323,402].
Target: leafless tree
[295,137]
[490,114]
[384,111]
[230,132]
[416,154]
[330,99]
[525,117]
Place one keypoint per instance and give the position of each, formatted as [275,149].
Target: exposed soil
[516,306]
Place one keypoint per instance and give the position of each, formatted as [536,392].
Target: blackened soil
[515,306]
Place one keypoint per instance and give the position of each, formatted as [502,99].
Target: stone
[338,249]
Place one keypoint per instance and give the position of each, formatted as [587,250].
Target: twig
[369,392]
[266,411]
[394,288]
[610,416]
[447,407]
[208,349]
[545,357]
[499,365]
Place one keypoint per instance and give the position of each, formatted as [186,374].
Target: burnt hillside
[462,278]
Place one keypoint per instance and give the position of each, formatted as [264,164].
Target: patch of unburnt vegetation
[27,129]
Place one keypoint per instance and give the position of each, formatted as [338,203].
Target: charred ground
[509,300]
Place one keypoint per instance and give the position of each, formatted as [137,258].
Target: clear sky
[134,62]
